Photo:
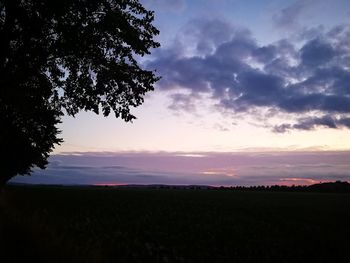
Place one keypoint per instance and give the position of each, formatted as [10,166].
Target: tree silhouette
[59,57]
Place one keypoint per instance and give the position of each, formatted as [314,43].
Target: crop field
[57,224]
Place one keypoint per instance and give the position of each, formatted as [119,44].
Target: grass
[49,224]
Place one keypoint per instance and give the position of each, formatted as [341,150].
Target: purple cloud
[182,101]
[317,52]
[311,80]
[216,169]
[311,123]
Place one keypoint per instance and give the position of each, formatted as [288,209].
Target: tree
[59,57]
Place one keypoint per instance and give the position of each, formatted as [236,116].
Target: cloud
[288,16]
[312,123]
[317,52]
[181,101]
[220,127]
[301,80]
[203,36]
[192,168]
[165,6]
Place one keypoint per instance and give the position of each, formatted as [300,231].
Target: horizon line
[194,154]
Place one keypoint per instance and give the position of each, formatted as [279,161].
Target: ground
[60,224]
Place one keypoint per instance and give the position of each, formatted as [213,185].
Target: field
[56,224]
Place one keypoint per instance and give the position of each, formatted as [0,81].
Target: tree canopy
[59,57]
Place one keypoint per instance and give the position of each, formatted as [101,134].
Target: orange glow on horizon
[299,181]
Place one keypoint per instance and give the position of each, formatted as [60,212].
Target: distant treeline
[329,187]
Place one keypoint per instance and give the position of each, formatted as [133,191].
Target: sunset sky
[237,76]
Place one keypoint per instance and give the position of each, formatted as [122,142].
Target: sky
[237,77]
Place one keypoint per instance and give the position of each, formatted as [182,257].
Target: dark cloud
[317,52]
[307,34]
[312,123]
[255,88]
[345,122]
[312,77]
[265,54]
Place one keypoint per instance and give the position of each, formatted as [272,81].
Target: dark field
[47,224]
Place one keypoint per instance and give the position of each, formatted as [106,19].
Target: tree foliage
[62,56]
